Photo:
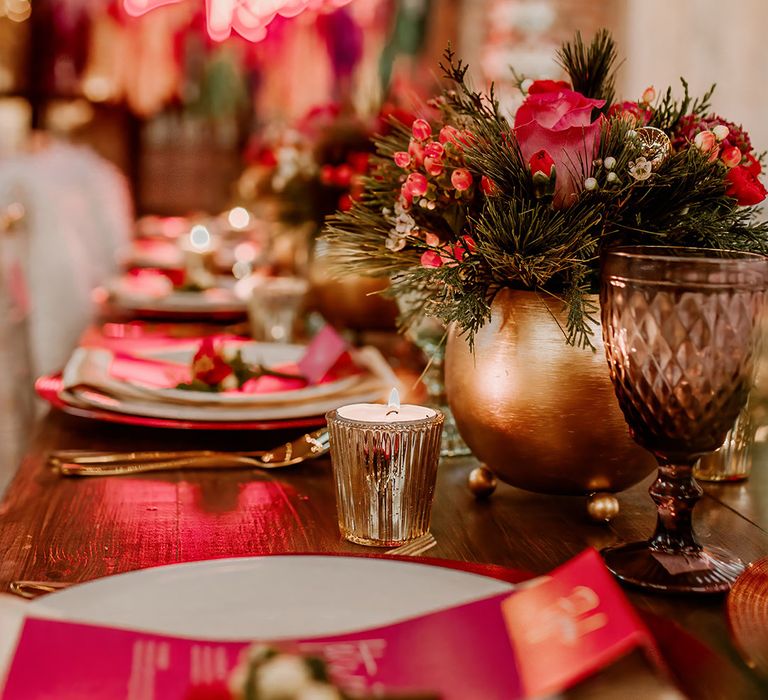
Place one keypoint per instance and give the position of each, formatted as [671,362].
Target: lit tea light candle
[384,460]
[391,412]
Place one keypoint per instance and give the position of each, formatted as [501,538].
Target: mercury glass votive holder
[385,477]
[733,461]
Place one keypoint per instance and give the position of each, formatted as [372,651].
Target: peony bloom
[561,124]
[744,187]
[421,129]
[461,179]
[209,365]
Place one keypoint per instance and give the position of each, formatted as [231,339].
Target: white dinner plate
[270,597]
[155,293]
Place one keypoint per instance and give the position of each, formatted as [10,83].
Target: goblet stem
[675,493]
[673,559]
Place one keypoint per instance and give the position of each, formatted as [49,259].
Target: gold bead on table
[482,481]
[602,507]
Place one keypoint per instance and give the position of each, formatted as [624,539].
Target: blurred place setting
[400,349]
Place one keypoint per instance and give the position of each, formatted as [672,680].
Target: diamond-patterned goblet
[681,330]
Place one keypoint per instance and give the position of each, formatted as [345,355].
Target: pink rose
[561,124]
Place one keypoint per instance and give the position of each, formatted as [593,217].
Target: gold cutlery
[33,589]
[414,547]
[93,463]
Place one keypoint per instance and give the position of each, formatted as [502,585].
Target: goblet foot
[710,570]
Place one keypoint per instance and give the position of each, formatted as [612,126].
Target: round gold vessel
[353,302]
[541,414]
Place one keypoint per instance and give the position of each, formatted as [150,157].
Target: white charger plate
[159,296]
[270,597]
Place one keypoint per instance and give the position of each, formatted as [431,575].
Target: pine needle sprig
[669,112]
[591,68]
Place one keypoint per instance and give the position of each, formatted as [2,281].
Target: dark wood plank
[76,530]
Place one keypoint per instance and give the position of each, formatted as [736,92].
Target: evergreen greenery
[520,239]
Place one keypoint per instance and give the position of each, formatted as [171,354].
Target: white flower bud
[590,184]
[721,132]
[609,163]
[282,676]
[612,178]
[525,85]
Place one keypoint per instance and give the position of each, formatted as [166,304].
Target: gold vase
[354,302]
[540,413]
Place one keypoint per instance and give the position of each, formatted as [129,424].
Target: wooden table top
[60,529]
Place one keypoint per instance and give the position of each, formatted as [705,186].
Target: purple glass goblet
[681,329]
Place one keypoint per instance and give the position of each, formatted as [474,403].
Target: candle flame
[393,405]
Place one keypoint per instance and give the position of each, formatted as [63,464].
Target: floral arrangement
[468,200]
[318,165]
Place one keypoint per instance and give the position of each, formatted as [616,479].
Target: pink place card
[327,354]
[537,641]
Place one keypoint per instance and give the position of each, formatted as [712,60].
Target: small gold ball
[482,481]
[602,507]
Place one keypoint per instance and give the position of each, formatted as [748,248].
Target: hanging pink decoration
[249,18]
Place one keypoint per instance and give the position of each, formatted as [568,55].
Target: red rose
[541,86]
[744,187]
[541,162]
[631,110]
[561,124]
[753,164]
[208,365]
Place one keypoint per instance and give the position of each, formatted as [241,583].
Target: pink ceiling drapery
[249,18]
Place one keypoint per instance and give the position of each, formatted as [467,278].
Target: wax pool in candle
[382,413]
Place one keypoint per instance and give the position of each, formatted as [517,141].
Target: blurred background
[177,112]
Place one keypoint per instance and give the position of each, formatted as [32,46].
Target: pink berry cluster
[436,172]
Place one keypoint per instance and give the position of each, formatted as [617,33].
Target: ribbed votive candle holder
[385,471]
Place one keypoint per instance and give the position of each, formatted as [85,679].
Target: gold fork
[414,547]
[90,463]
